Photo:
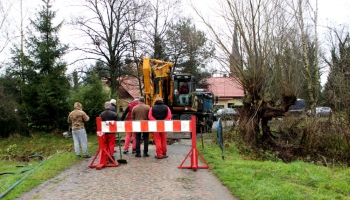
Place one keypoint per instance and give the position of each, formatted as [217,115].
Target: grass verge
[58,155]
[247,179]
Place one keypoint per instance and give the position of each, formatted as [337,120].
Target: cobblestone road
[141,178]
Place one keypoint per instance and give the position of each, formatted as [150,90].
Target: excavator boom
[157,78]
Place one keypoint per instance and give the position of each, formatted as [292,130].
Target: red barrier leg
[194,152]
[102,153]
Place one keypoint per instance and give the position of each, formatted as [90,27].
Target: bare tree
[263,37]
[162,13]
[306,16]
[106,27]
[148,36]
[336,92]
[5,33]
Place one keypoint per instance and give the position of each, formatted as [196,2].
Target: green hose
[18,182]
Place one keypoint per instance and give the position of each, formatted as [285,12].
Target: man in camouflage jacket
[77,118]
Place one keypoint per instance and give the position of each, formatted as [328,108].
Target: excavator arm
[157,80]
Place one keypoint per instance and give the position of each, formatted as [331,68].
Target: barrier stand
[102,154]
[147,126]
[194,153]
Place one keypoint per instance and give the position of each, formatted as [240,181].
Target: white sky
[330,12]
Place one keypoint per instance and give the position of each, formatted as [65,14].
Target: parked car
[225,113]
[321,112]
[298,107]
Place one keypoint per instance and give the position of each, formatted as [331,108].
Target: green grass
[247,179]
[58,153]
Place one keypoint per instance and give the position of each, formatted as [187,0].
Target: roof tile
[225,87]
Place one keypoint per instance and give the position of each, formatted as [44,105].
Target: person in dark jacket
[113,105]
[140,112]
[128,135]
[109,115]
[160,111]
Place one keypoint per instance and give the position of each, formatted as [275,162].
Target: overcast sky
[330,12]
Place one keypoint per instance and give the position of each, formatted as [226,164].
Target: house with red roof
[128,90]
[229,91]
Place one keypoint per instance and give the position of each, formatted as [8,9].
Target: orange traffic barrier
[147,126]
[102,154]
[194,153]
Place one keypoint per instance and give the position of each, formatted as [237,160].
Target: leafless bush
[321,140]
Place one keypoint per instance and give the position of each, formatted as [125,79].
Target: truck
[161,80]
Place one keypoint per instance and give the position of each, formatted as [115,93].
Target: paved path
[142,178]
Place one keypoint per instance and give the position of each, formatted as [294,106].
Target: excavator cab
[184,85]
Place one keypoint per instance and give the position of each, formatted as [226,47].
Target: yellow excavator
[160,80]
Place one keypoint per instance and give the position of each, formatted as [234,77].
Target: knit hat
[113,101]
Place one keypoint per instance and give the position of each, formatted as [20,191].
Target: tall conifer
[47,87]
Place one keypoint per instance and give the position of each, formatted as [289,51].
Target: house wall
[229,103]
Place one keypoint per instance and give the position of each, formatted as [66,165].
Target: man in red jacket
[128,135]
[160,111]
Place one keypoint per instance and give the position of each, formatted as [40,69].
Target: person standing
[160,111]
[77,118]
[129,135]
[140,112]
[109,115]
[113,105]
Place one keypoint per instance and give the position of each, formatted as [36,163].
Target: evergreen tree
[189,48]
[45,93]
[12,120]
[92,95]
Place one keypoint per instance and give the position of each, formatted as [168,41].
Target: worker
[160,111]
[77,118]
[140,112]
[109,115]
[184,88]
[113,105]
[129,135]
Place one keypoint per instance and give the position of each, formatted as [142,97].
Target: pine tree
[45,93]
[189,48]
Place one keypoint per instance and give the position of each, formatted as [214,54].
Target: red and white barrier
[147,126]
